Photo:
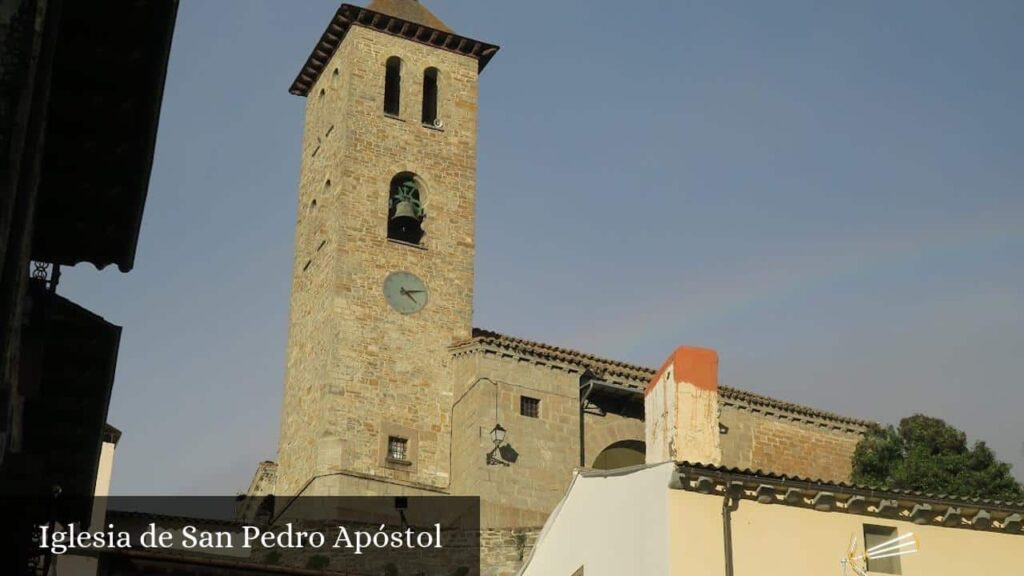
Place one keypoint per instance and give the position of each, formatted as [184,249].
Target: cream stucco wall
[611,525]
[778,540]
[74,565]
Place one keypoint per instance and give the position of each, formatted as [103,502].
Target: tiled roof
[595,363]
[402,18]
[410,11]
[828,496]
[877,490]
[641,375]
[782,405]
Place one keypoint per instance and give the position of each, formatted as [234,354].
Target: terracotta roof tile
[824,485]
[642,374]
[410,11]
[402,18]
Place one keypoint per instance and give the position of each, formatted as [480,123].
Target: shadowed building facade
[81,89]
[389,389]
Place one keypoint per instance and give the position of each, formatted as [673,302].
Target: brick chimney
[681,409]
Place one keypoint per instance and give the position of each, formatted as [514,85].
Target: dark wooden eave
[349,15]
[66,373]
[106,90]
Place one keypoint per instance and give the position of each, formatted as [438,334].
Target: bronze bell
[405,224]
[404,210]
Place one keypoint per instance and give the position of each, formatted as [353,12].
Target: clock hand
[407,293]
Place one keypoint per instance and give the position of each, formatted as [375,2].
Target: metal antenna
[898,546]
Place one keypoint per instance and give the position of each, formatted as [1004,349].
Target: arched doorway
[621,454]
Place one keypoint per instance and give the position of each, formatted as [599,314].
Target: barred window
[398,448]
[529,407]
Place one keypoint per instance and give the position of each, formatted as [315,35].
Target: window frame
[402,454]
[390,430]
[529,406]
[880,534]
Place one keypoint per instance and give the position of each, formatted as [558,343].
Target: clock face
[406,293]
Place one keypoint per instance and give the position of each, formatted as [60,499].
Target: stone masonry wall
[503,551]
[359,371]
[782,444]
[546,448]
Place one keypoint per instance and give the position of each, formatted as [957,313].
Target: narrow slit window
[430,97]
[393,86]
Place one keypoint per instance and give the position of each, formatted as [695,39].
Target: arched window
[405,210]
[621,454]
[393,86]
[429,96]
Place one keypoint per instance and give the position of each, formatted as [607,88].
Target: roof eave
[103,112]
[606,368]
[769,487]
[349,15]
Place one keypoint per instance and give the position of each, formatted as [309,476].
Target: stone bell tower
[382,284]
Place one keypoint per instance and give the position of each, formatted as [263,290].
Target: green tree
[928,455]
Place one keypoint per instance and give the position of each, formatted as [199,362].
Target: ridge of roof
[644,373]
[410,11]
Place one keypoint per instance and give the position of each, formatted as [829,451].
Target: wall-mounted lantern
[498,439]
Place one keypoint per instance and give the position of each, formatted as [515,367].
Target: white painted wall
[611,522]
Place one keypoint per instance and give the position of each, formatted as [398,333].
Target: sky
[830,194]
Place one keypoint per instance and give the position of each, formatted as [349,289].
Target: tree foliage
[928,455]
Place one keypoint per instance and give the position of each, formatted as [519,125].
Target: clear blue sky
[831,194]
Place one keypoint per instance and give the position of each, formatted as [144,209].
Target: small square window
[398,449]
[874,536]
[529,407]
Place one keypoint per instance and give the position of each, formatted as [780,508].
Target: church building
[390,390]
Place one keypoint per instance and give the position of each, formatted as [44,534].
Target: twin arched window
[393,91]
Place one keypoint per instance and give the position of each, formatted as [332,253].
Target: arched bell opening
[405,209]
[620,455]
